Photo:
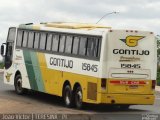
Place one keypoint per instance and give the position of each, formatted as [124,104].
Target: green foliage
[158,60]
[158,42]
[158,75]
[1,65]
[158,51]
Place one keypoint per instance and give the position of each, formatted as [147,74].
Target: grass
[158,78]
[158,75]
[1,65]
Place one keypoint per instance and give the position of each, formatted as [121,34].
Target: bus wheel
[78,98]
[67,96]
[18,85]
[124,107]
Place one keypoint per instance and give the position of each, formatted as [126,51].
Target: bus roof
[65,25]
[75,25]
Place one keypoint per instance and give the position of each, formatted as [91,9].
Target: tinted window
[30,39]
[25,37]
[11,34]
[75,45]
[82,47]
[62,43]
[68,46]
[19,38]
[49,42]
[36,40]
[55,43]
[43,41]
[9,49]
[99,48]
[92,47]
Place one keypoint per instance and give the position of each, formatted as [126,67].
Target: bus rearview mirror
[2,50]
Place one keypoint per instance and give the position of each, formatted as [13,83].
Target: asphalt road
[35,102]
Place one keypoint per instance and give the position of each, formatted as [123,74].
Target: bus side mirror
[2,50]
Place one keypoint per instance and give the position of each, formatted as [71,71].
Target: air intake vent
[92,91]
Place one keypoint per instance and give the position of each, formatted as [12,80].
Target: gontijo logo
[132,41]
[8,76]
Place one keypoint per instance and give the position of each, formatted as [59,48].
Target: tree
[158,59]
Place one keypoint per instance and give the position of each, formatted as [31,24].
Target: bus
[82,63]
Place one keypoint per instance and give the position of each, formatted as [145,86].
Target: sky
[133,14]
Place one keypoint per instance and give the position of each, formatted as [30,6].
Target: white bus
[83,63]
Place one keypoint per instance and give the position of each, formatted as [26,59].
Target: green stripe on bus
[30,70]
[37,72]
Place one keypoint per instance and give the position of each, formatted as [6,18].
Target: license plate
[133,86]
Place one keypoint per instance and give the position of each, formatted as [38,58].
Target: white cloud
[137,14]
[136,24]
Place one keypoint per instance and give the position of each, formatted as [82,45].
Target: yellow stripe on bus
[50,77]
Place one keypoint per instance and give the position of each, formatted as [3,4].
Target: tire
[124,107]
[78,96]
[67,96]
[18,85]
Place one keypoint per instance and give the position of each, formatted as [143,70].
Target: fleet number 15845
[89,67]
[130,66]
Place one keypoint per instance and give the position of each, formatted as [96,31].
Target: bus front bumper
[130,99]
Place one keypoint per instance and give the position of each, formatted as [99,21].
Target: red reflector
[124,82]
[115,82]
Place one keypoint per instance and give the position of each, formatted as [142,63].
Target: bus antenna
[106,15]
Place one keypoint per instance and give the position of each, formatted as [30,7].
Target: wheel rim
[19,85]
[67,97]
[79,98]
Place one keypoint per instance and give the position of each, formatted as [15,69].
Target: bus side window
[19,38]
[82,47]
[99,48]
[68,46]
[75,45]
[36,40]
[55,43]
[92,47]
[42,41]
[49,42]
[25,37]
[62,43]
[30,39]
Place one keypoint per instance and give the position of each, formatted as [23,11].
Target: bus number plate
[131,66]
